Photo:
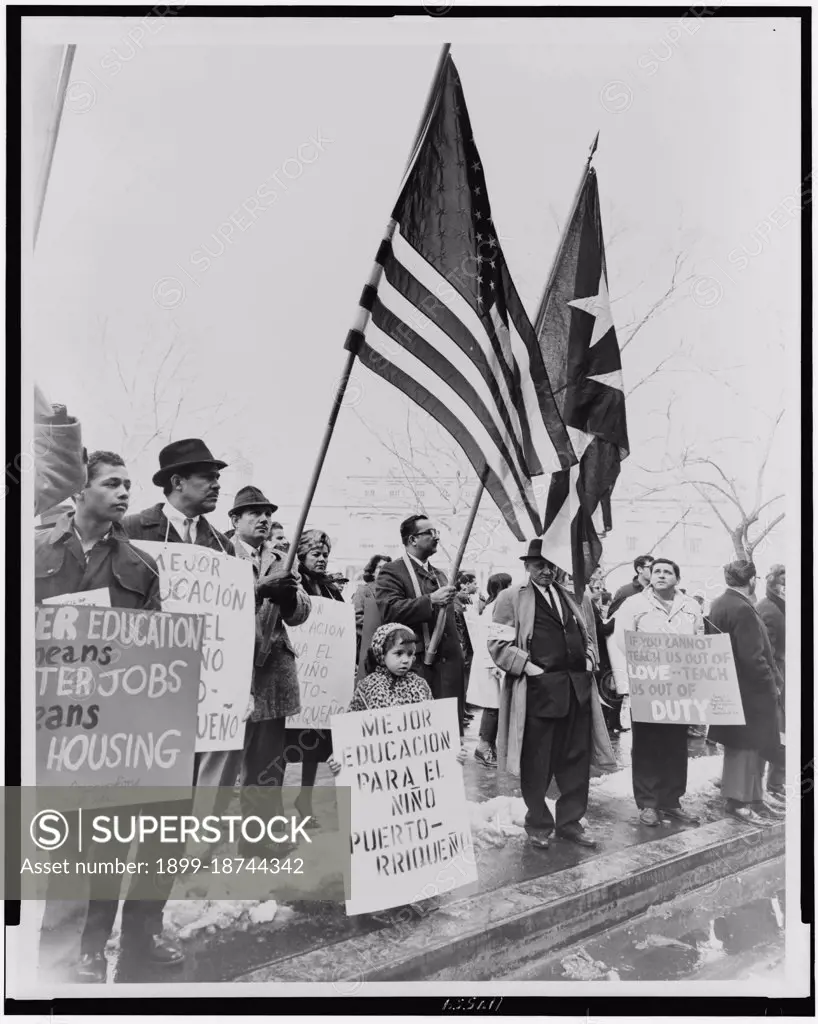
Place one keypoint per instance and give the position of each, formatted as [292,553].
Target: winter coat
[275,688]
[509,642]
[773,615]
[734,614]
[59,470]
[60,567]
[319,585]
[151,524]
[396,602]
[364,591]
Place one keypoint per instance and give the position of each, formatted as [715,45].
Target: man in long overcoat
[538,637]
[772,610]
[748,746]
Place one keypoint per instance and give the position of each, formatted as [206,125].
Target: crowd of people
[549,702]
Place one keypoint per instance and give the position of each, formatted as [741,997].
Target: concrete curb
[462,940]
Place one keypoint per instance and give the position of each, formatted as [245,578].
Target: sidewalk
[270,942]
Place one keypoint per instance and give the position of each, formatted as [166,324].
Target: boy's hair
[96,459]
[642,561]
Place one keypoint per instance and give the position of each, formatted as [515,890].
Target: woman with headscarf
[313,746]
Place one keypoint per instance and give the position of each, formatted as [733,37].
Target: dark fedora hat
[178,454]
[535,551]
[251,497]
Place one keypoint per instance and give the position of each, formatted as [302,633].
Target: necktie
[555,602]
[188,524]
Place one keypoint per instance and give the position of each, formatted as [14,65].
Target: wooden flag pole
[361,320]
[434,643]
[53,132]
[550,280]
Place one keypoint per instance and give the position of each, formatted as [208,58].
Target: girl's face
[399,659]
[316,559]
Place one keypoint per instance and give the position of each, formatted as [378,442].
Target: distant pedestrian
[612,706]
[366,590]
[639,582]
[484,687]
[466,588]
[659,755]
[772,611]
[748,746]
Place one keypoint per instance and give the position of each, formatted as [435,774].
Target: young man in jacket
[189,477]
[280,601]
[88,551]
[659,755]
[640,581]
[539,639]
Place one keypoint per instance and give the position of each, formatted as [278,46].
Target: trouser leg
[571,761]
[262,774]
[674,783]
[535,772]
[647,763]
[218,768]
[488,725]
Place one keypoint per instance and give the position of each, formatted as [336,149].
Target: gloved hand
[280,587]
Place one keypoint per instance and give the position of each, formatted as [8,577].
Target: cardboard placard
[193,578]
[410,825]
[682,679]
[116,691]
[325,660]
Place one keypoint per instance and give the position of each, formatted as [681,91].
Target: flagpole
[550,280]
[53,132]
[355,334]
[434,643]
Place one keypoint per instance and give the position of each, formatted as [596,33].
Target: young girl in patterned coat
[393,682]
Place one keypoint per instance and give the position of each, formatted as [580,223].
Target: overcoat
[509,643]
[396,602]
[757,676]
[151,524]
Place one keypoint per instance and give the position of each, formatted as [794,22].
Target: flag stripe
[452,365]
[419,382]
[442,302]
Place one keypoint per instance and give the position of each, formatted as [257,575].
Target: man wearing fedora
[280,601]
[189,477]
[539,639]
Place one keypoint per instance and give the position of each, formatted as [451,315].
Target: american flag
[579,345]
[447,326]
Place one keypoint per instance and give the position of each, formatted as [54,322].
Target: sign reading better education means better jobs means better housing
[682,679]
[196,579]
[325,660]
[116,691]
[410,833]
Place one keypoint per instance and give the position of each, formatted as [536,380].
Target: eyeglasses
[430,533]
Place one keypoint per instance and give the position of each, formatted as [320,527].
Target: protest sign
[197,579]
[325,659]
[682,679]
[100,598]
[409,818]
[116,691]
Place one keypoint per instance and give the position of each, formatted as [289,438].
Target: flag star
[478,191]
[611,380]
[479,238]
[476,165]
[599,306]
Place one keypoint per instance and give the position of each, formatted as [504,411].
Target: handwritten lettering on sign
[410,827]
[682,679]
[197,579]
[116,696]
[325,660]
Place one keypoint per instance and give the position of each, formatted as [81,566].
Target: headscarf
[379,638]
[776,572]
[739,573]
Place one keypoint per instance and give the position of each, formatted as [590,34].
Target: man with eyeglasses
[411,591]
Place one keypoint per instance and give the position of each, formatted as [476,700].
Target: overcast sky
[161,143]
